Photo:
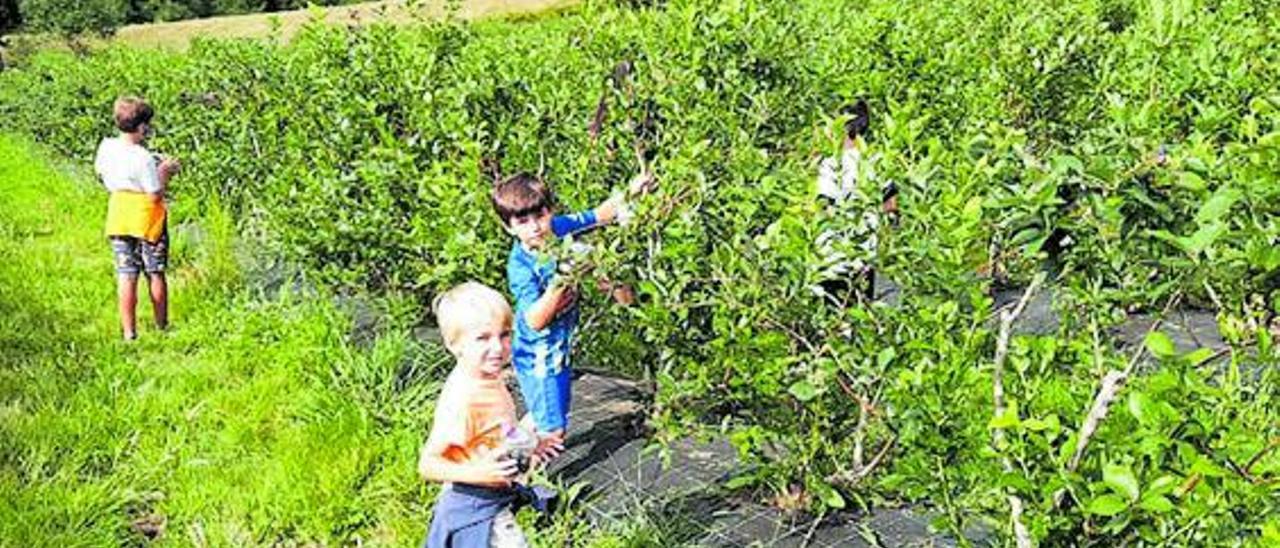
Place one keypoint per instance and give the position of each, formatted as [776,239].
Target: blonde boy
[469,448]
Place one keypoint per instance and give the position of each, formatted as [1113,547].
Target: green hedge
[1132,145]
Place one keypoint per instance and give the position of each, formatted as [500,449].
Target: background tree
[72,18]
[10,16]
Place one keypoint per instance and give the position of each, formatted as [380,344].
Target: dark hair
[859,122]
[131,112]
[521,194]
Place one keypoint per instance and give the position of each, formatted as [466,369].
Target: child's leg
[127,291]
[159,299]
[155,258]
[506,532]
[128,264]
[547,399]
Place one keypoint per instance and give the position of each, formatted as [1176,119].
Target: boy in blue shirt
[546,308]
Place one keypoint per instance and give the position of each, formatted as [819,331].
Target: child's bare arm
[608,210]
[557,298]
[549,447]
[489,470]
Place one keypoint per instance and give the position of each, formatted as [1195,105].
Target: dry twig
[1021,536]
[1112,382]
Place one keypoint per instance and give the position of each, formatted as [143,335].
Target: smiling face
[475,322]
[482,342]
[531,229]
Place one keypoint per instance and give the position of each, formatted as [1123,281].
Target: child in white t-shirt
[137,218]
[849,241]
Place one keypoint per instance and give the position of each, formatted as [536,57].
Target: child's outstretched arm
[608,210]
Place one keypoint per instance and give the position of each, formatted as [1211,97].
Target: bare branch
[1248,468]
[1021,536]
[1112,383]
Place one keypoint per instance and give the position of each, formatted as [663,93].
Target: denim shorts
[134,255]
[547,398]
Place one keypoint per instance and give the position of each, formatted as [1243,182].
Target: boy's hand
[549,447]
[169,166]
[497,469]
[567,298]
[624,295]
[641,184]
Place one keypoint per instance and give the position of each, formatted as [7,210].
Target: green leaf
[1271,532]
[1160,345]
[738,482]
[886,357]
[1204,237]
[1163,484]
[1068,448]
[1217,205]
[1158,504]
[1138,405]
[803,391]
[1007,419]
[1067,164]
[827,494]
[972,211]
[1207,468]
[1049,423]
[1171,239]
[1120,478]
[1199,355]
[1107,505]
[1190,181]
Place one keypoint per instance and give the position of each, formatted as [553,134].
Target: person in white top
[136,219]
[849,239]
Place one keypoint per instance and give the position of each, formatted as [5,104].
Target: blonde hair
[465,301]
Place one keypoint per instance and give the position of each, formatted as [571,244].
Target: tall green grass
[251,422]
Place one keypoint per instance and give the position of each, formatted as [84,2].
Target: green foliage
[1130,144]
[74,17]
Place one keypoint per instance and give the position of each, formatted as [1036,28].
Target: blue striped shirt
[543,352]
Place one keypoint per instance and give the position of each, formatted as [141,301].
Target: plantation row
[1131,148]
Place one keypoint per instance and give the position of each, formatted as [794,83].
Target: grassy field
[251,422]
[178,34]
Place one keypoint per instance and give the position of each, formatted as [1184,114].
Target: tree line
[74,17]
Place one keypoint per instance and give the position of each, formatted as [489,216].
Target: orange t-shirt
[472,416]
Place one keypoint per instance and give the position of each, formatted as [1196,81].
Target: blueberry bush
[1128,150]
